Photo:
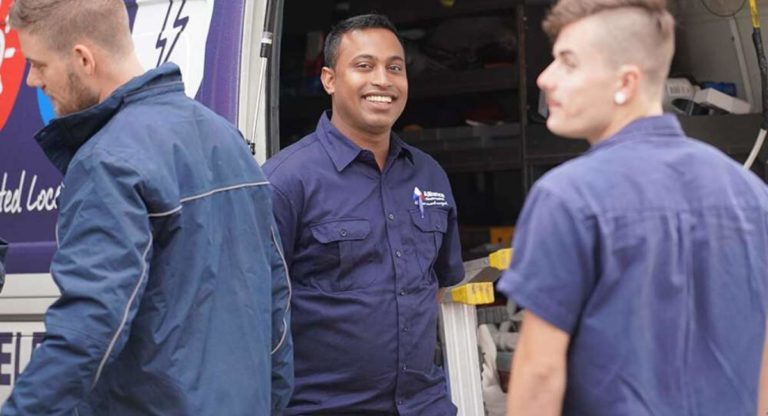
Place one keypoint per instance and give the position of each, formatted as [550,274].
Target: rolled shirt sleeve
[553,268]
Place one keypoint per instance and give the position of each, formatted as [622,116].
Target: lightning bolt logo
[179,24]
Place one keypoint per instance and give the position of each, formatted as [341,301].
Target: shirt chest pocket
[427,238]
[343,248]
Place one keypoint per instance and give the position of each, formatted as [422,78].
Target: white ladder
[458,330]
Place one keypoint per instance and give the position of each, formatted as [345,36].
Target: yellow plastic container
[479,293]
[500,259]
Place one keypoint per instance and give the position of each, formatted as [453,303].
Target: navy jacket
[174,290]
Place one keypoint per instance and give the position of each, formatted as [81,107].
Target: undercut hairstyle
[65,23]
[364,21]
[638,32]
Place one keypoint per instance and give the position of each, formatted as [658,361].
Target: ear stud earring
[620,98]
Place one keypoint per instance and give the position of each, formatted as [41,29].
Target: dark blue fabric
[365,265]
[3,251]
[174,293]
[650,250]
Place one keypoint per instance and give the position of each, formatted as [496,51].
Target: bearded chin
[79,95]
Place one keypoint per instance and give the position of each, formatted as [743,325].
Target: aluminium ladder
[458,329]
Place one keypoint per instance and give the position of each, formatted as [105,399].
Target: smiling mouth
[379,99]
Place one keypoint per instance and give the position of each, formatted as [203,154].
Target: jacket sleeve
[282,340]
[282,360]
[101,269]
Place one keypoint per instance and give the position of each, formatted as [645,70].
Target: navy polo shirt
[651,251]
[366,251]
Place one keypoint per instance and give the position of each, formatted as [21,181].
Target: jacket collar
[343,151]
[62,138]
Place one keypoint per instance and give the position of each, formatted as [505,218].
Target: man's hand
[537,382]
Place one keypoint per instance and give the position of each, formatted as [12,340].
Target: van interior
[474,105]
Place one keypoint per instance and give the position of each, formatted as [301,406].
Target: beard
[79,96]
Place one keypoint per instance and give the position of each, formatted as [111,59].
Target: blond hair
[64,23]
[639,32]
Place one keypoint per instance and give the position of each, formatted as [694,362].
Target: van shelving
[471,148]
[408,12]
[503,83]
[448,83]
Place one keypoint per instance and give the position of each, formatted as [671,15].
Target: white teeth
[379,98]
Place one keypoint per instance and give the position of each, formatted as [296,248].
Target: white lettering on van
[10,198]
[42,199]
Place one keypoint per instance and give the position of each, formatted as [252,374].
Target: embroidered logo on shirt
[418,199]
[428,199]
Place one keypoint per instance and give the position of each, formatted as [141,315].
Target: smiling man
[369,229]
[641,264]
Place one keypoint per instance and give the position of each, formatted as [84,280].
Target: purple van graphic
[198,35]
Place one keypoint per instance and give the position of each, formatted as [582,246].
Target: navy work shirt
[650,250]
[366,252]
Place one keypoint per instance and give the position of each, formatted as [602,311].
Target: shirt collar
[343,151]
[666,125]
[61,139]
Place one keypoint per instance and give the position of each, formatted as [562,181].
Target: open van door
[217,45]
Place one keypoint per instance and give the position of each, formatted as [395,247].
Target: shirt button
[405,367]
[399,402]
[437,226]
[405,329]
[391,217]
[402,292]
[398,253]
[343,233]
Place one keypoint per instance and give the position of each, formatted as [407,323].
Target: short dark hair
[363,21]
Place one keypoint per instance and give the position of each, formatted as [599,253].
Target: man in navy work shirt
[642,264]
[369,229]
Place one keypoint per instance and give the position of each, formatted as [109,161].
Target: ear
[84,59]
[328,78]
[629,81]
